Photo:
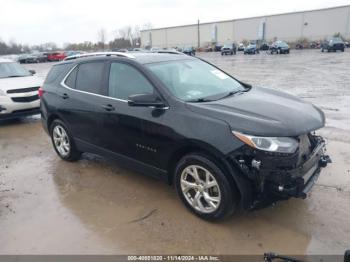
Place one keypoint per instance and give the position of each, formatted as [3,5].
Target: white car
[18,90]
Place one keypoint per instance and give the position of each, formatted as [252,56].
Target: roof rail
[120,54]
[174,52]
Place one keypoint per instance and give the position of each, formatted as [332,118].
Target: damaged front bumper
[277,177]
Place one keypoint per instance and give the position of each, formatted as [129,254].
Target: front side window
[125,80]
[191,80]
[89,77]
[12,69]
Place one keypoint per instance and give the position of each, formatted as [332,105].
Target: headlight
[2,93]
[270,144]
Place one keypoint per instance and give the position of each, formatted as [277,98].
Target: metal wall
[314,25]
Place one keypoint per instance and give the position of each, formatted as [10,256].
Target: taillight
[40,91]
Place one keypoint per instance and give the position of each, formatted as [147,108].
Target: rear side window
[89,77]
[70,81]
[125,80]
[55,72]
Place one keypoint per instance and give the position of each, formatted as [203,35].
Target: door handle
[108,107]
[65,96]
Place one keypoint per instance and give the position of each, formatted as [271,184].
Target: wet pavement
[48,206]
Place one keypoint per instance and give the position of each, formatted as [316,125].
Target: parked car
[71,53]
[264,47]
[217,48]
[315,45]
[251,49]
[334,44]
[229,49]
[241,47]
[56,56]
[224,144]
[189,50]
[32,58]
[26,59]
[347,44]
[299,46]
[280,47]
[18,90]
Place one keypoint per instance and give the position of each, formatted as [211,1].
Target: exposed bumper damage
[276,176]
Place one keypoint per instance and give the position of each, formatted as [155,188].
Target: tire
[343,50]
[63,142]
[225,195]
[222,54]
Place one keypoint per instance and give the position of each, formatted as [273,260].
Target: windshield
[191,80]
[12,69]
[282,44]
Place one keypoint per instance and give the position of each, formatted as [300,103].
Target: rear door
[84,100]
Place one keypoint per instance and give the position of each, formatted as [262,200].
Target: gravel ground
[48,206]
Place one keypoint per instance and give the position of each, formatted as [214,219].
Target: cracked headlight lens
[270,144]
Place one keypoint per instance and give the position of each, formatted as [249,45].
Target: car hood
[264,112]
[20,82]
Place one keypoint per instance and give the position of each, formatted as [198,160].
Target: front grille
[23,90]
[25,99]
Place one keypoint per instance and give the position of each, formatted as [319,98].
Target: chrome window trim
[63,84]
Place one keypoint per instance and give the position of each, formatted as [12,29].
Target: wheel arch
[52,118]
[207,151]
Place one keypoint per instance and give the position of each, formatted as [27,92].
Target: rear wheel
[63,142]
[203,188]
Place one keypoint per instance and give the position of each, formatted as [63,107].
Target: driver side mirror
[146,100]
[347,256]
[32,72]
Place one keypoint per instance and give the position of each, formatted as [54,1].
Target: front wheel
[63,142]
[203,188]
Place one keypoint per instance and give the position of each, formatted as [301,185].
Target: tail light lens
[40,91]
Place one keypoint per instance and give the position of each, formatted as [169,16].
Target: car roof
[140,57]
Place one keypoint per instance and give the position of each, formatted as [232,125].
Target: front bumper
[296,182]
[274,177]
[10,109]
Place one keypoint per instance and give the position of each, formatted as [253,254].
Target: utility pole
[199,36]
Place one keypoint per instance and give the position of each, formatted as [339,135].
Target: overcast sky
[62,21]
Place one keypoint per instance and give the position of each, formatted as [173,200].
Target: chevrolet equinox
[223,144]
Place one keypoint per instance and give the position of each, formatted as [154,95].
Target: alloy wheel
[61,140]
[200,189]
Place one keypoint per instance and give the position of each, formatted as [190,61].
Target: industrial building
[312,25]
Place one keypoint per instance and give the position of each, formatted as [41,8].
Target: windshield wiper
[200,100]
[14,76]
[231,94]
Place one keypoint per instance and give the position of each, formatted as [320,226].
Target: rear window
[55,72]
[89,77]
[70,81]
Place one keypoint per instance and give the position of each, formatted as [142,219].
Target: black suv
[333,45]
[224,144]
[279,47]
